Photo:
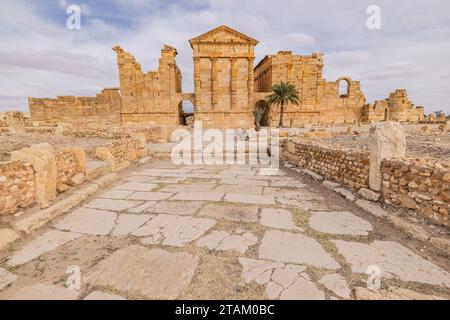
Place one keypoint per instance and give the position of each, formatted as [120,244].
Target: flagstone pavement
[217,232]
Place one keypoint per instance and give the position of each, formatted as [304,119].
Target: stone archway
[186,113]
[344,85]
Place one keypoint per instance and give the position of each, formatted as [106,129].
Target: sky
[41,57]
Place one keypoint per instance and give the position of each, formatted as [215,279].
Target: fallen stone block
[346,194]
[330,185]
[369,194]
[313,175]
[372,208]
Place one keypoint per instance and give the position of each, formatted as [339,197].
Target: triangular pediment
[223,34]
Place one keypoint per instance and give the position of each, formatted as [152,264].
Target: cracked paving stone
[175,188]
[173,230]
[149,273]
[295,248]
[302,289]
[239,189]
[116,194]
[88,221]
[150,196]
[99,295]
[223,241]
[45,243]
[249,198]
[198,196]
[127,223]
[394,260]
[339,223]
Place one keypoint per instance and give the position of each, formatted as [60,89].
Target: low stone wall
[350,168]
[424,187]
[41,130]
[17,186]
[125,149]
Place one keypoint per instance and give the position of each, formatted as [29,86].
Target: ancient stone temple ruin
[227,88]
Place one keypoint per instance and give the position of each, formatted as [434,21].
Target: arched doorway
[186,113]
[265,120]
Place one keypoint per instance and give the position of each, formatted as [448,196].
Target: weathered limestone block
[103,153]
[42,158]
[386,140]
[80,158]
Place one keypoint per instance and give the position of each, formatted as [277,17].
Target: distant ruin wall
[420,186]
[104,108]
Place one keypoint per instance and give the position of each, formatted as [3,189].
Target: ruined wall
[152,97]
[320,101]
[66,168]
[104,108]
[348,167]
[223,78]
[17,186]
[420,186]
[396,107]
[124,150]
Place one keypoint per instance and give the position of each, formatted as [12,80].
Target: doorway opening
[186,113]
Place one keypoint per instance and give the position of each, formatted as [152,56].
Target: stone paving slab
[246,182]
[149,273]
[116,194]
[394,260]
[173,230]
[240,213]
[174,188]
[99,295]
[336,283]
[278,219]
[42,291]
[237,189]
[137,186]
[176,207]
[89,221]
[142,207]
[150,196]
[45,243]
[127,223]
[111,204]
[294,248]
[249,198]
[223,241]
[198,196]
[340,223]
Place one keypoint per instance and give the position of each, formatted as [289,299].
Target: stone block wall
[124,150]
[17,186]
[424,187]
[350,168]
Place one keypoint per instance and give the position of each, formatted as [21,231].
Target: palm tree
[282,94]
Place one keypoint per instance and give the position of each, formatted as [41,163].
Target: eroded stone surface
[137,186]
[7,236]
[249,198]
[392,293]
[198,196]
[116,194]
[150,196]
[394,260]
[295,248]
[41,245]
[340,223]
[149,273]
[173,230]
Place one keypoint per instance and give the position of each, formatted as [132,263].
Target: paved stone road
[216,232]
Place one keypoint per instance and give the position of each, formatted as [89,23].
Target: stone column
[197,85]
[214,82]
[250,83]
[386,140]
[233,84]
